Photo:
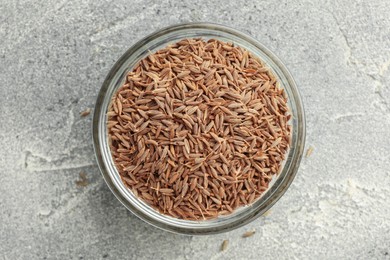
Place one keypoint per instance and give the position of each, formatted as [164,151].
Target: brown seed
[183,74]
[199,160]
[224,245]
[216,200]
[248,234]
[194,181]
[85,112]
[167,191]
[119,105]
[184,190]
[83,181]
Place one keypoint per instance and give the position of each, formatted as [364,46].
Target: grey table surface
[54,56]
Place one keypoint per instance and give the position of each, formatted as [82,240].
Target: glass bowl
[115,79]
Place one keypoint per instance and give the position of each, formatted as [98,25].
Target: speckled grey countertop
[54,55]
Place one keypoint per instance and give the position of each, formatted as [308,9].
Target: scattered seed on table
[85,112]
[224,245]
[248,234]
[83,181]
[309,151]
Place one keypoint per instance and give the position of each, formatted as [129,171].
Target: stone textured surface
[54,56]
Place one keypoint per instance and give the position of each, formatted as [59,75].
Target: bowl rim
[276,193]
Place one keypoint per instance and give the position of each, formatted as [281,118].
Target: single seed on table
[85,112]
[248,234]
[83,180]
[309,151]
[224,245]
